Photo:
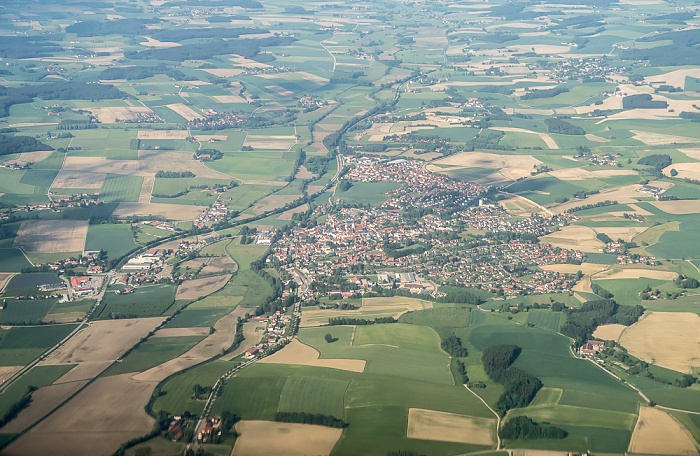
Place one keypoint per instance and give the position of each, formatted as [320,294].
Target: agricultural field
[508,163]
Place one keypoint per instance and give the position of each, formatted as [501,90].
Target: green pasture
[155,351]
[25,311]
[399,335]
[116,239]
[20,345]
[121,188]
[145,301]
[373,193]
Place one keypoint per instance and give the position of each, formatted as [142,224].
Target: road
[498,417]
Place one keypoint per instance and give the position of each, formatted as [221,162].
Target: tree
[329,338]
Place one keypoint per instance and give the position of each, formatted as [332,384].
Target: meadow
[145,301]
[117,240]
[21,345]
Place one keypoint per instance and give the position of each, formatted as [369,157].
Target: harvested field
[693,153]
[153,43]
[511,167]
[101,165]
[229,99]
[84,371]
[609,332]
[626,233]
[594,138]
[583,285]
[657,139]
[371,308]
[168,211]
[674,78]
[297,353]
[270,142]
[678,207]
[224,72]
[7,372]
[450,427]
[185,111]
[657,432]
[102,341]
[146,189]
[221,339]
[197,288]
[182,332]
[287,215]
[49,236]
[575,237]
[636,273]
[74,179]
[104,418]
[33,157]
[668,339]
[252,338]
[521,206]
[548,140]
[4,279]
[263,438]
[219,265]
[44,401]
[151,161]
[685,170]
[569,174]
[113,114]
[586,268]
[162,134]
[304,173]
[205,138]
[274,202]
[623,195]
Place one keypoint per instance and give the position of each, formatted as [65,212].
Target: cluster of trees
[112,27]
[338,321]
[17,407]
[600,291]
[642,101]
[591,206]
[658,161]
[76,125]
[686,282]
[329,338]
[544,93]
[692,116]
[132,73]
[581,322]
[461,371]
[460,296]
[453,345]
[399,251]
[497,358]
[519,386]
[310,418]
[556,125]
[214,154]
[247,48]
[174,174]
[248,234]
[17,144]
[522,427]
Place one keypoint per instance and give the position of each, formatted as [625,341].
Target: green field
[116,240]
[545,318]
[373,193]
[25,311]
[145,301]
[21,345]
[155,351]
[12,260]
[121,188]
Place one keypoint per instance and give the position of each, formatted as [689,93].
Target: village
[427,247]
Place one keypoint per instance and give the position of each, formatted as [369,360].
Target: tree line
[453,345]
[338,321]
[519,386]
[522,427]
[310,418]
